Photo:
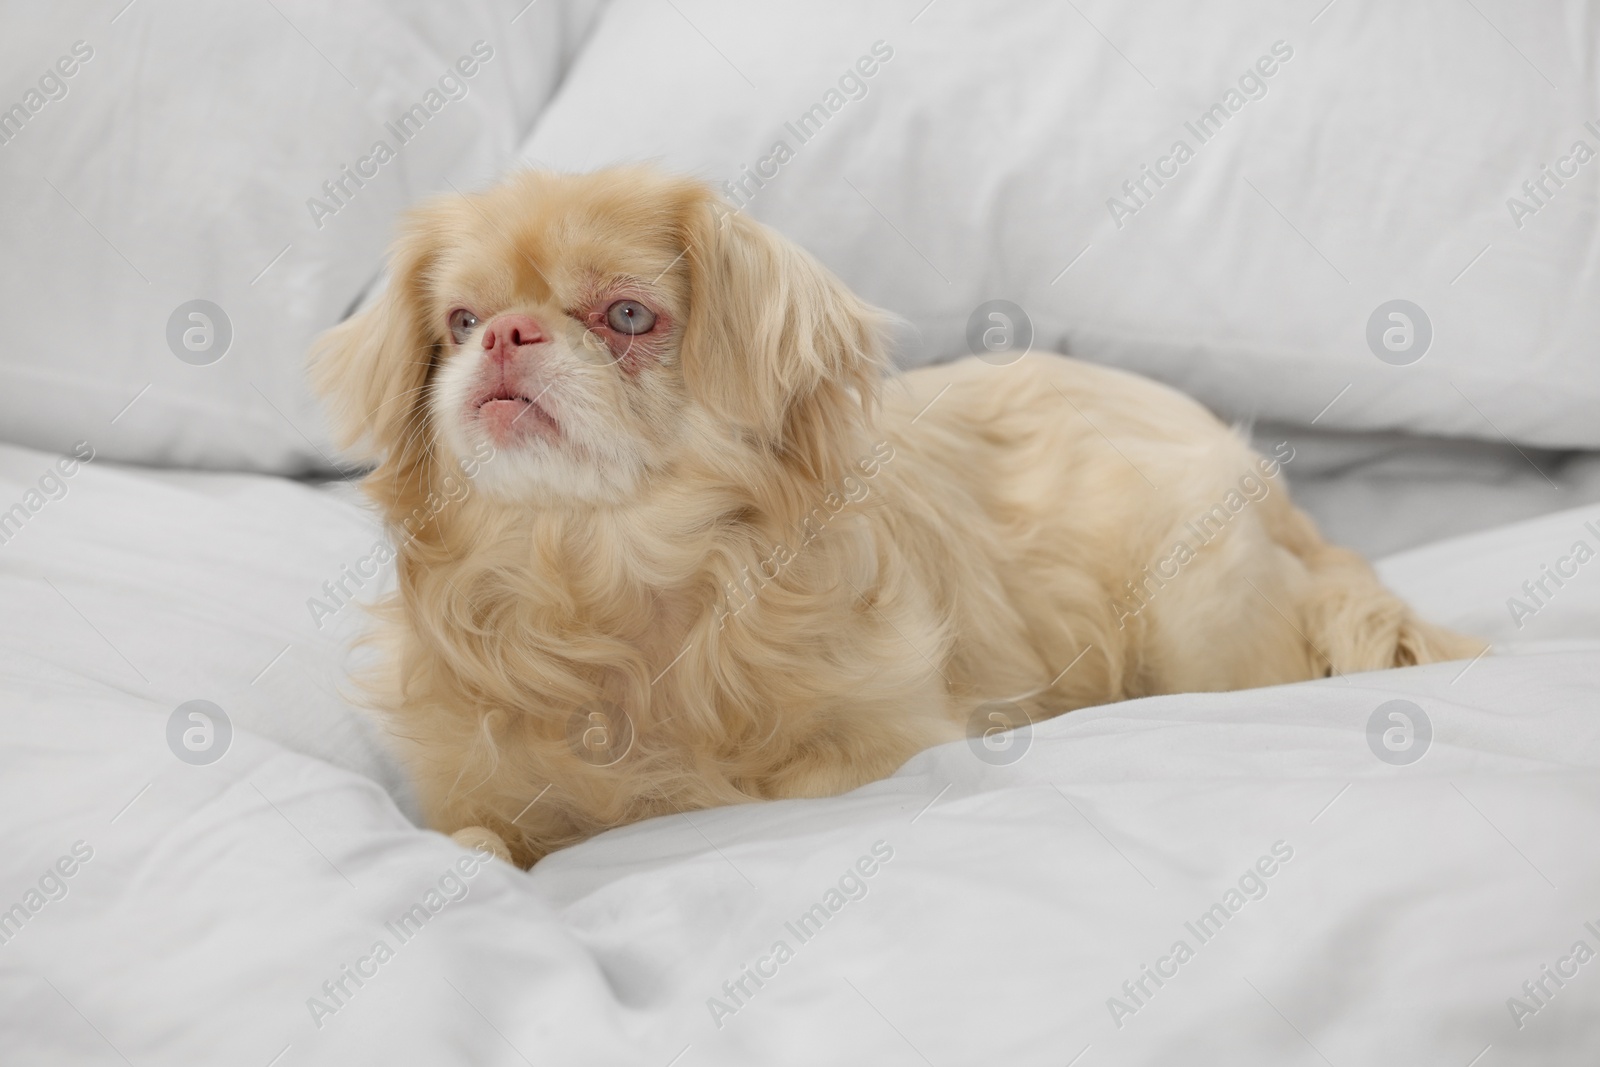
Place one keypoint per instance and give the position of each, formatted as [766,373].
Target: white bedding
[1018,899]
[1384,493]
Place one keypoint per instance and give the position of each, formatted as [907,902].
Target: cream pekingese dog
[667,537]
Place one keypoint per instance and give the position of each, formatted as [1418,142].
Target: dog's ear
[775,343]
[372,369]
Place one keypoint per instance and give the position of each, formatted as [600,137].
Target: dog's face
[559,321]
[591,331]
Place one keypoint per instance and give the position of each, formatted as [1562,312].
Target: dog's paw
[481,839]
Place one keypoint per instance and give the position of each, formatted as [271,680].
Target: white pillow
[173,152]
[1364,153]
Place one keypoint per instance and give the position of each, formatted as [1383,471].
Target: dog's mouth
[509,415]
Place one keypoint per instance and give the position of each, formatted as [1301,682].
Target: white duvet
[1212,879]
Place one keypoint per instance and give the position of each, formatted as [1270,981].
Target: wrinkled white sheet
[1006,905]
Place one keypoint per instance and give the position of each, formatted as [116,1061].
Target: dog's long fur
[788,573]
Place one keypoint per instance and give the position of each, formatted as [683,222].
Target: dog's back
[1126,532]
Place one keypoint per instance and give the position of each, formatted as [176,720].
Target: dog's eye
[630,317]
[462,323]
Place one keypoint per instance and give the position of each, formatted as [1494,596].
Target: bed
[211,857]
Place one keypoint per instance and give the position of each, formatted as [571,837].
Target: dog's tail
[1352,621]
